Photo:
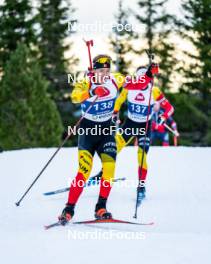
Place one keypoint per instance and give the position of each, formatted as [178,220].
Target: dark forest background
[35,108]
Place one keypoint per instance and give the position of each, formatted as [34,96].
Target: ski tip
[48,193]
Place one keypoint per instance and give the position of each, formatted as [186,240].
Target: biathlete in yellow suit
[106,86]
[135,123]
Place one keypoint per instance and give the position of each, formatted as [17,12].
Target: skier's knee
[108,165]
[140,154]
[85,163]
[120,142]
[144,143]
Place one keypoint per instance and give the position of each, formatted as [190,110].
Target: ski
[57,191]
[98,221]
[52,225]
[89,183]
[112,220]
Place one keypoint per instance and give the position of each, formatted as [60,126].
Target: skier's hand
[100,91]
[176,133]
[152,70]
[115,118]
[90,74]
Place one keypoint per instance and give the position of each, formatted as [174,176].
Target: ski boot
[67,214]
[101,211]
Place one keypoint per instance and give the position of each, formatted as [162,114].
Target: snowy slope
[178,201]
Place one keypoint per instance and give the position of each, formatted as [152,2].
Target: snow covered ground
[178,201]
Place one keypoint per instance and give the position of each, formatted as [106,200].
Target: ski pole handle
[150,55]
[89,43]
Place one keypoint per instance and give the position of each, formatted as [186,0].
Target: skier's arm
[142,81]
[120,100]
[173,125]
[120,82]
[80,92]
[170,121]
[164,103]
[119,79]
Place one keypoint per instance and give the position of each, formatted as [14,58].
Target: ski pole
[151,57]
[144,147]
[88,43]
[170,129]
[174,133]
[54,154]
